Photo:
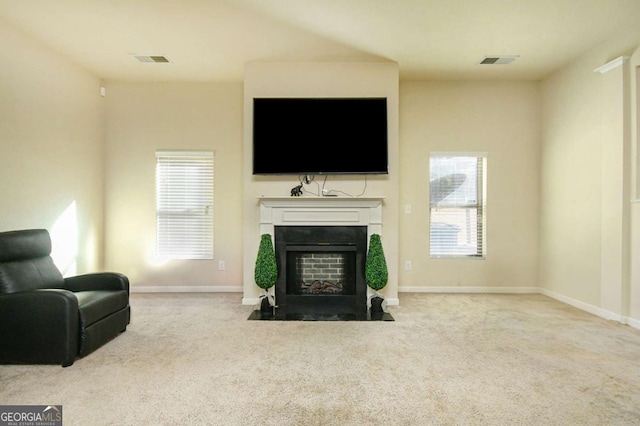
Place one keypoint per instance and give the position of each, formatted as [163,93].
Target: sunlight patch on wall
[64,240]
[151,257]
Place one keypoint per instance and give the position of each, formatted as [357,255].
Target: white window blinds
[457,205]
[184,204]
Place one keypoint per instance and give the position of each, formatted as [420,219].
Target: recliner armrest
[97,281]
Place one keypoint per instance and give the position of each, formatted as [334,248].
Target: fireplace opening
[321,271]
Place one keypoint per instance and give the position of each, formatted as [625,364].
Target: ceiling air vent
[152,58]
[498,60]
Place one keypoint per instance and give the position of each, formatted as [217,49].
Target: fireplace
[321,272]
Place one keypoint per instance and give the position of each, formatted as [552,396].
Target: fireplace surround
[362,213]
[321,272]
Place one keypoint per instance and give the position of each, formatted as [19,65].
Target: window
[457,205]
[184,205]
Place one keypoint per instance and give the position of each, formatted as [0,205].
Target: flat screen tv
[309,136]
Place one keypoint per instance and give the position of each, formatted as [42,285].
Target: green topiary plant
[375,269]
[266,270]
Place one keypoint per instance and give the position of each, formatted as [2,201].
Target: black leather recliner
[48,319]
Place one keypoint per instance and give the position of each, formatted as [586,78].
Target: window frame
[188,213]
[480,207]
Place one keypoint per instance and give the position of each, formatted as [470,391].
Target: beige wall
[142,118]
[322,79]
[633,291]
[501,119]
[588,225]
[570,213]
[51,150]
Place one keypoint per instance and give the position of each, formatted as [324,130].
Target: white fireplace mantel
[321,211]
[317,211]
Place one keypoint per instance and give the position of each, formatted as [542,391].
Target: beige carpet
[195,359]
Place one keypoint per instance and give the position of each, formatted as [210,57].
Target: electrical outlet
[222,265]
[407,208]
[407,265]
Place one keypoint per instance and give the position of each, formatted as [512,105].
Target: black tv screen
[308,136]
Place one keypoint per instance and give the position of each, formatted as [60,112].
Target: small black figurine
[297,191]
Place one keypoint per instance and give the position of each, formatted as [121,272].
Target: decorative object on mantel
[376,273]
[296,191]
[266,273]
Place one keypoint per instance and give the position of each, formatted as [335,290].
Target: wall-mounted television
[309,136]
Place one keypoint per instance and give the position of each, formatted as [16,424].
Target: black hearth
[321,272]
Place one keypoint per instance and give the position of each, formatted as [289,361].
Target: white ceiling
[212,40]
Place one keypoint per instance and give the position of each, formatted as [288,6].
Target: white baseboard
[515,290]
[632,322]
[185,289]
[602,313]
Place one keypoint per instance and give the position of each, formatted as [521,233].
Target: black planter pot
[265,307]
[376,304]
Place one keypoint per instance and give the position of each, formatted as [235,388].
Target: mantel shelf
[321,211]
[276,201]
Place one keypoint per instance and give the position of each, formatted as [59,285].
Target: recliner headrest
[24,244]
